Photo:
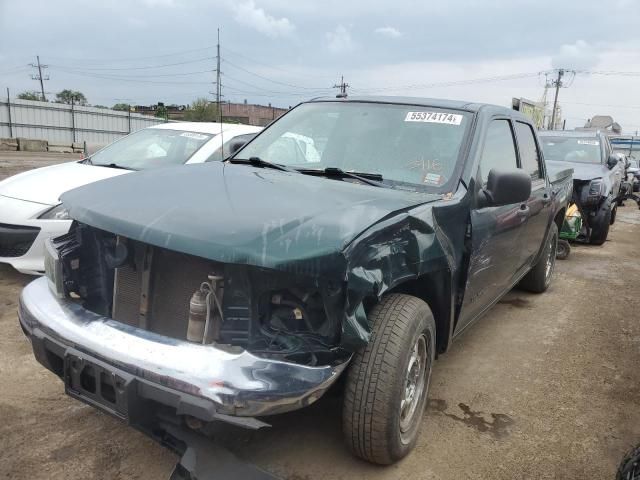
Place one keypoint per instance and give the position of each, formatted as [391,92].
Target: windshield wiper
[112,165]
[374,179]
[258,162]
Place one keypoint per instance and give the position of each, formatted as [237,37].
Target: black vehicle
[598,173]
[229,291]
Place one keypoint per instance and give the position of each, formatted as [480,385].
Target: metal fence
[62,123]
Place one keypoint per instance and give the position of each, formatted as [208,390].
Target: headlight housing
[59,212]
[595,187]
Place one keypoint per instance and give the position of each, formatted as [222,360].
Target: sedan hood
[45,185]
[240,214]
[581,171]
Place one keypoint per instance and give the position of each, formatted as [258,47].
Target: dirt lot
[543,387]
[16,162]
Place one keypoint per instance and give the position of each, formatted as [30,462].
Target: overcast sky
[283,51]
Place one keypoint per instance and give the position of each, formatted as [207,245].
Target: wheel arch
[559,218]
[435,289]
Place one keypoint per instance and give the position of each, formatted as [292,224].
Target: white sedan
[30,209]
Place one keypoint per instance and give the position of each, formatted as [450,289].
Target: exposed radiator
[172,279]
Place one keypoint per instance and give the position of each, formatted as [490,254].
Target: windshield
[151,148]
[572,149]
[406,145]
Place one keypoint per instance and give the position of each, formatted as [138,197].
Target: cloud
[339,40]
[159,3]
[389,32]
[576,56]
[248,14]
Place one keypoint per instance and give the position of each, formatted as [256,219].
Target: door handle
[523,211]
[546,199]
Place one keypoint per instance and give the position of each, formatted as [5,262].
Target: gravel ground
[544,386]
[16,162]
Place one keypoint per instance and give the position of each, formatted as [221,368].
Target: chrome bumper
[234,381]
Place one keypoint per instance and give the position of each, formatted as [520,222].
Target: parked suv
[246,288]
[598,173]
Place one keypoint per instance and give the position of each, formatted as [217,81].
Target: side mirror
[235,146]
[505,187]
[612,161]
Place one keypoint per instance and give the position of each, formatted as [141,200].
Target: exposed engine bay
[269,313]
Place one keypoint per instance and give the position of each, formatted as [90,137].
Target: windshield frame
[450,185]
[89,158]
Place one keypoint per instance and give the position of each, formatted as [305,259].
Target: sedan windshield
[407,146]
[151,148]
[572,149]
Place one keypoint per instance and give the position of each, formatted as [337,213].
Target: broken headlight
[59,212]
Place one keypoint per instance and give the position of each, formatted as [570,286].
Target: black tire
[564,249]
[629,468]
[539,277]
[613,215]
[600,224]
[378,380]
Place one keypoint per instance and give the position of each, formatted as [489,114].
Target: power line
[130,59]
[267,78]
[264,90]
[128,79]
[117,75]
[271,67]
[146,67]
[451,83]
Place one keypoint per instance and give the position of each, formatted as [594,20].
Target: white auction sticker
[433,179]
[434,117]
[195,136]
[588,142]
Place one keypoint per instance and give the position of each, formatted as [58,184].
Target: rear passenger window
[528,150]
[499,150]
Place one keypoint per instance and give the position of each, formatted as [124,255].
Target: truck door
[539,203]
[496,232]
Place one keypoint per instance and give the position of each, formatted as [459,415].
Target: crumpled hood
[45,185]
[581,171]
[239,213]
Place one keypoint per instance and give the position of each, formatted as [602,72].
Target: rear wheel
[564,249]
[539,277]
[388,381]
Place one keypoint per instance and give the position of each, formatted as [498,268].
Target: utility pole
[218,86]
[556,83]
[39,76]
[343,88]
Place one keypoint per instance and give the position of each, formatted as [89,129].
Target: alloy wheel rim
[551,256]
[414,385]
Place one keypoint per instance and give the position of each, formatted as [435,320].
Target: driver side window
[499,149]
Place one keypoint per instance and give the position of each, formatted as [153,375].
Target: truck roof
[570,133]
[421,101]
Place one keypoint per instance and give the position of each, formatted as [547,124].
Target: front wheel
[388,381]
[600,224]
[613,215]
[539,277]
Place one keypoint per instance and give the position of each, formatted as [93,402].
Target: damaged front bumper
[204,381]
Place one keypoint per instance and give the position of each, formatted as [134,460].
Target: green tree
[202,110]
[101,106]
[30,95]
[161,111]
[123,107]
[69,96]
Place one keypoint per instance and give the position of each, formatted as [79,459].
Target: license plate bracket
[98,384]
